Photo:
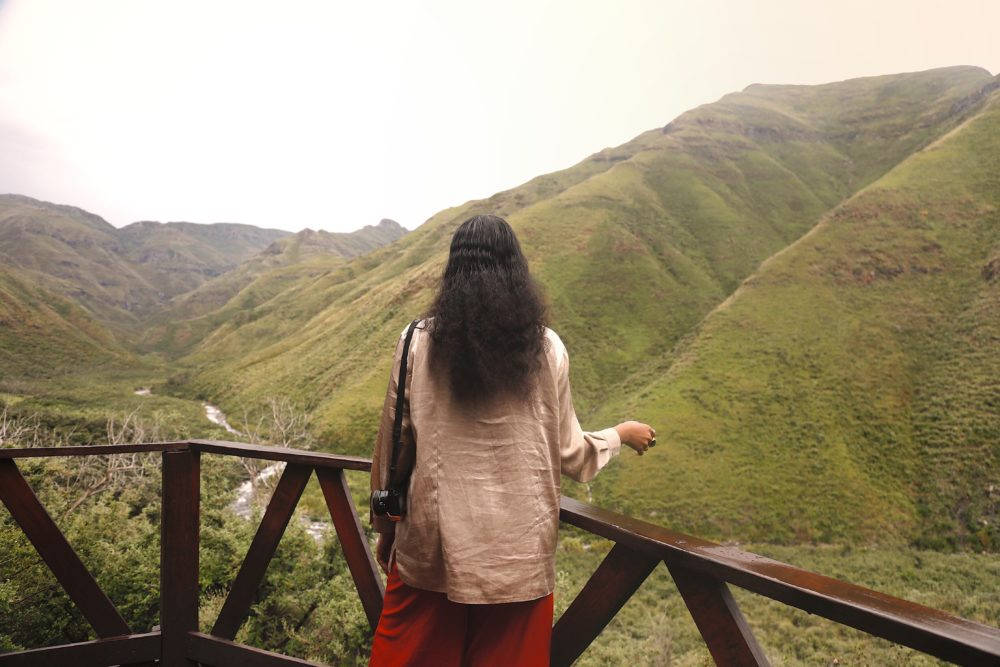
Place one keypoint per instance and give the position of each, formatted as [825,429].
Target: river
[243,505]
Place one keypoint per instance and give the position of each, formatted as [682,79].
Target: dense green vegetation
[798,286]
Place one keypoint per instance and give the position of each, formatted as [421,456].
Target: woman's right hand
[637,435]
[383,550]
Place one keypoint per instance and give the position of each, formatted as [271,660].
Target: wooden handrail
[225,447]
[908,623]
[701,569]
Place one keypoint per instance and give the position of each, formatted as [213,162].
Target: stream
[243,505]
[216,416]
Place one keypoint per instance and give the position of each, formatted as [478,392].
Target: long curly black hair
[488,330]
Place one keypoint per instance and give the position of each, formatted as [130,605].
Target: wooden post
[179,533]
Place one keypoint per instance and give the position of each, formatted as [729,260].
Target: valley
[798,286]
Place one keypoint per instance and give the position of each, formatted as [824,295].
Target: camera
[389,503]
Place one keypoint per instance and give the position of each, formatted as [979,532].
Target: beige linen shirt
[483,502]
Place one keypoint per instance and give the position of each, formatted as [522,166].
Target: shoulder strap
[397,426]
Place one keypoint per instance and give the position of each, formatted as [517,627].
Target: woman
[488,428]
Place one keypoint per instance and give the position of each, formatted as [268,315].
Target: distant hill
[76,255]
[180,256]
[78,290]
[120,275]
[286,261]
[350,244]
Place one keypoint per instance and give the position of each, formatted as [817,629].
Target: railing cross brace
[617,577]
[719,619]
[265,542]
[57,553]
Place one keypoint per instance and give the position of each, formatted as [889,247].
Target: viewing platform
[702,571]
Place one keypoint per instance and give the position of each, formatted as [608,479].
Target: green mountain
[180,256]
[119,275]
[191,316]
[851,386]
[80,295]
[641,249]
[43,334]
[796,285]
[74,254]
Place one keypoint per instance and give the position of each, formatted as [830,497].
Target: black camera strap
[397,426]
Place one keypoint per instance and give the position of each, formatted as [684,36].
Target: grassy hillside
[43,334]
[849,389]
[635,246]
[75,254]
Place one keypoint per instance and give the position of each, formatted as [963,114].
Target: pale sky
[333,115]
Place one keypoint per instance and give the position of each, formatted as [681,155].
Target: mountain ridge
[666,264]
[704,262]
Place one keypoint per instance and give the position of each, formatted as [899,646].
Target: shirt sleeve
[382,454]
[582,453]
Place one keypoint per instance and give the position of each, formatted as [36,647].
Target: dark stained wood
[689,558]
[719,619]
[52,546]
[270,453]
[111,651]
[353,542]
[929,630]
[179,538]
[211,650]
[88,450]
[617,577]
[272,526]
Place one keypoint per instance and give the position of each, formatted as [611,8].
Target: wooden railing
[702,571]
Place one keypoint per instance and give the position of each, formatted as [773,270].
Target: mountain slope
[119,275]
[74,254]
[850,388]
[42,334]
[77,293]
[635,245]
[341,244]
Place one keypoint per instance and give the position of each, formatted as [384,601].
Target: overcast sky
[333,115]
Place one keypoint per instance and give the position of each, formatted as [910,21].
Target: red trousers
[419,627]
